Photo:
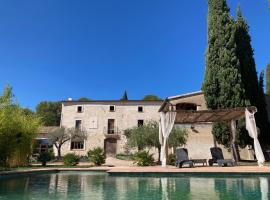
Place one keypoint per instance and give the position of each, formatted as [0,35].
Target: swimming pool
[100,185]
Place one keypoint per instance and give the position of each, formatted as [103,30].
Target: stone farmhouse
[106,120]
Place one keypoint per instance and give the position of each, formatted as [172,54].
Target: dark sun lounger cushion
[217,157]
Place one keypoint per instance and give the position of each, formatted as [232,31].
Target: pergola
[170,116]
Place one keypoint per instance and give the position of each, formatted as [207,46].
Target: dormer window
[140,109]
[79,109]
[112,108]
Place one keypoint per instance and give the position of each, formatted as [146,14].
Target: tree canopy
[84,99]
[61,135]
[18,130]
[222,65]
[151,97]
[49,112]
[268,79]
[230,77]
[147,136]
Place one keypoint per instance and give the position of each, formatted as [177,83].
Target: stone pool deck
[154,169]
[171,169]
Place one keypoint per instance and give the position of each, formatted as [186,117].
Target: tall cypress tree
[253,89]
[124,97]
[262,113]
[268,79]
[245,54]
[222,84]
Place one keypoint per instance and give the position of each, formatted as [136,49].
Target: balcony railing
[112,132]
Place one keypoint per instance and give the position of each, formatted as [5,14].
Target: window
[79,109]
[110,126]
[78,124]
[112,108]
[140,109]
[186,106]
[140,122]
[77,145]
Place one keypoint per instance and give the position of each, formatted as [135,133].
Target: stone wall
[126,116]
[95,117]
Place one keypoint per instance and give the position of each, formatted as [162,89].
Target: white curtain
[165,127]
[264,188]
[252,130]
[164,188]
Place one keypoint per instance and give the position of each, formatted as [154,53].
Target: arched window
[186,106]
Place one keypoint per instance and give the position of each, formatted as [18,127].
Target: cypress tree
[222,84]
[268,79]
[124,97]
[245,54]
[262,113]
[253,89]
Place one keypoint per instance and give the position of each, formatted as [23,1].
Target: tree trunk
[214,140]
[59,152]
[159,151]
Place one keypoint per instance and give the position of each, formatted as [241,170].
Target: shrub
[45,157]
[144,158]
[97,156]
[171,159]
[71,159]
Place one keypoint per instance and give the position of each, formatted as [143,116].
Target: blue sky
[52,50]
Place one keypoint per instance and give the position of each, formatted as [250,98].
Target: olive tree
[148,136]
[61,135]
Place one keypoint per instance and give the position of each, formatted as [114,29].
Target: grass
[125,157]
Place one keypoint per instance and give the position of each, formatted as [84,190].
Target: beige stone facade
[95,116]
[200,138]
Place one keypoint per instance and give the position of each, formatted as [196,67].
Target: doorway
[110,145]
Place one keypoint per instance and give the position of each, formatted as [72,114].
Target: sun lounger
[217,157]
[182,158]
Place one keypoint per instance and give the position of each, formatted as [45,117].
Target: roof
[185,95]
[159,102]
[45,130]
[203,116]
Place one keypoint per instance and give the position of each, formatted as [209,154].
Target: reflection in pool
[95,185]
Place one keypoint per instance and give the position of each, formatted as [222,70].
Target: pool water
[99,185]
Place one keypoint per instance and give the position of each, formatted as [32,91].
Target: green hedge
[71,159]
[144,158]
[97,156]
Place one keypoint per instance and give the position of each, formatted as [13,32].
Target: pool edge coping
[124,172]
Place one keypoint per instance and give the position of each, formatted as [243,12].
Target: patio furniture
[182,158]
[217,157]
[200,161]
